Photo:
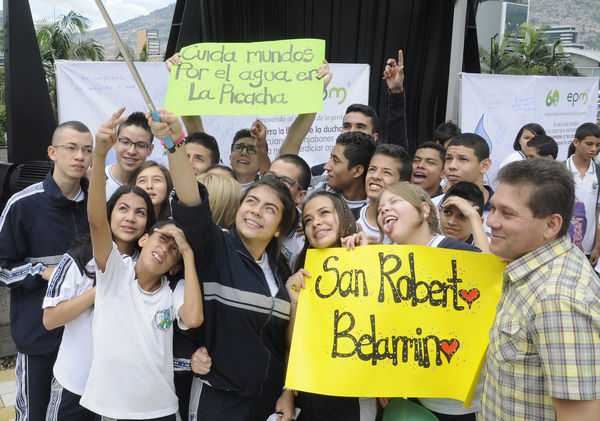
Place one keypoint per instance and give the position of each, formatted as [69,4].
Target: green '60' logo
[552,98]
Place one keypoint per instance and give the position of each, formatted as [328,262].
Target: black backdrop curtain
[356,31]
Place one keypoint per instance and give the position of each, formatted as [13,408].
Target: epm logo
[340,94]
[573,98]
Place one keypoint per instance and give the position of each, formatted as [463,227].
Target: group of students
[179,289]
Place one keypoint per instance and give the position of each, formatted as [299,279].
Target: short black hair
[587,129]
[224,168]
[437,147]
[534,128]
[446,131]
[468,191]
[552,187]
[240,134]
[399,154]
[75,125]
[366,110]
[137,119]
[78,126]
[159,224]
[544,145]
[475,142]
[305,177]
[209,142]
[358,149]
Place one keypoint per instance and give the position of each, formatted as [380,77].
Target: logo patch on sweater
[163,319]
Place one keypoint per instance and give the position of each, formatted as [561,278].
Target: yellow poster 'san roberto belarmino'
[256,78]
[394,321]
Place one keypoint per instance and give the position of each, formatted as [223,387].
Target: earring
[277,234]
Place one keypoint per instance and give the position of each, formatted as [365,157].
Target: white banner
[91,91]
[497,106]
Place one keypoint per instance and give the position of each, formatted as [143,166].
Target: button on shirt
[545,340]
[586,190]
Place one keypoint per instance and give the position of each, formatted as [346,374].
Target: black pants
[64,406]
[34,377]
[217,405]
[167,418]
[327,408]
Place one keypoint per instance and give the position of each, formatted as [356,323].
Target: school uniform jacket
[244,326]
[36,229]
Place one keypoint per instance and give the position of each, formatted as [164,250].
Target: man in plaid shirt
[543,361]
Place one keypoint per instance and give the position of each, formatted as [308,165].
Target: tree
[144,53]
[62,39]
[527,53]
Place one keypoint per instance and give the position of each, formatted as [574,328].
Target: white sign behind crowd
[497,106]
[91,91]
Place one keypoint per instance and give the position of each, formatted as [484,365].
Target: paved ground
[8,391]
[3,154]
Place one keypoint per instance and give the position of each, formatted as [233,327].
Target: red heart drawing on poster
[469,296]
[449,347]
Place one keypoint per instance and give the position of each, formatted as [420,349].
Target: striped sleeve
[62,286]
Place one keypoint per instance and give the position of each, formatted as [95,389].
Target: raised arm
[258,131]
[181,170]
[193,123]
[480,239]
[96,206]
[395,124]
[303,122]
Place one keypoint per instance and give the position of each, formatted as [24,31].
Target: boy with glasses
[134,145]
[249,154]
[37,226]
[294,172]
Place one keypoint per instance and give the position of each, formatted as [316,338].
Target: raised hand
[174,60]
[394,73]
[106,136]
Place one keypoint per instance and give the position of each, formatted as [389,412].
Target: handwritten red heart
[470,296]
[449,347]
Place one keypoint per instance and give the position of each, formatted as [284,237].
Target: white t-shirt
[74,358]
[586,190]
[368,229]
[512,157]
[266,268]
[132,367]
[353,204]
[111,182]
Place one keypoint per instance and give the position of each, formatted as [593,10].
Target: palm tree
[62,39]
[527,53]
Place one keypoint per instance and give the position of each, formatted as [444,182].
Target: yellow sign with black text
[391,321]
[256,78]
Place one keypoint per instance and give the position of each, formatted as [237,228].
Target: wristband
[176,145]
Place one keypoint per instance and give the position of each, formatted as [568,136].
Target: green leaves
[526,53]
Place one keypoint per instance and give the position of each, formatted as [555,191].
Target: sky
[119,10]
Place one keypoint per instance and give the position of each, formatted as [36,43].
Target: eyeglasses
[239,148]
[139,146]
[71,148]
[288,181]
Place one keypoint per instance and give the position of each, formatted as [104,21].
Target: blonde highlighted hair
[416,196]
[224,197]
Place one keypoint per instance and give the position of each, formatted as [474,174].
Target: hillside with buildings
[584,15]
[159,20]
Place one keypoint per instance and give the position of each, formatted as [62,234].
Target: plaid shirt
[545,341]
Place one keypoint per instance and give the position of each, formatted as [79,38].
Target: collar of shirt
[571,165]
[533,260]
[487,206]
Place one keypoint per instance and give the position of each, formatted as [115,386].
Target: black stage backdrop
[356,31]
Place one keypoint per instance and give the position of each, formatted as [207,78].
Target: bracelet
[176,145]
